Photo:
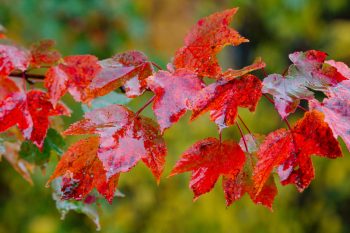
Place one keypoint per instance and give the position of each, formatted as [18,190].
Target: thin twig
[244,141]
[145,106]
[156,65]
[273,102]
[244,124]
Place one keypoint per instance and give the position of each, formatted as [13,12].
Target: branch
[28,77]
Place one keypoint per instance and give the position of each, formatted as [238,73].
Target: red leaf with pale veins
[124,139]
[311,136]
[173,93]
[223,98]
[236,187]
[129,69]
[82,171]
[341,67]
[29,111]
[208,159]
[336,109]
[13,108]
[275,150]
[308,72]
[12,58]
[81,70]
[74,75]
[43,53]
[56,82]
[205,40]
[40,108]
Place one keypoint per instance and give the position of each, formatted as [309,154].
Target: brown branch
[28,77]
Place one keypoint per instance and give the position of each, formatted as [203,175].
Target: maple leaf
[308,72]
[341,67]
[173,92]
[64,206]
[336,110]
[205,40]
[13,108]
[232,74]
[236,187]
[74,75]
[208,159]
[87,78]
[12,58]
[40,109]
[291,151]
[129,69]
[29,111]
[43,53]
[81,171]
[223,98]
[125,138]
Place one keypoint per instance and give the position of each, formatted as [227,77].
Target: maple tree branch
[145,106]
[28,77]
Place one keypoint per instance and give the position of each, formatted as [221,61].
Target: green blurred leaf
[53,142]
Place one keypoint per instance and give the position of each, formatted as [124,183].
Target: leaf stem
[273,102]
[156,65]
[244,141]
[244,124]
[145,106]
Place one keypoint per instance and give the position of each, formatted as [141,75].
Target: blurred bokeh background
[157,27]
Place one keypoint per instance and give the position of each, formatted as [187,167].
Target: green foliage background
[104,27]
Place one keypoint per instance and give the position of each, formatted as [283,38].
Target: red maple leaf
[81,171]
[124,139]
[291,151]
[236,187]
[129,69]
[208,159]
[12,58]
[308,72]
[232,74]
[336,110]
[74,75]
[341,67]
[173,93]
[43,53]
[87,78]
[40,109]
[30,111]
[223,98]
[205,40]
